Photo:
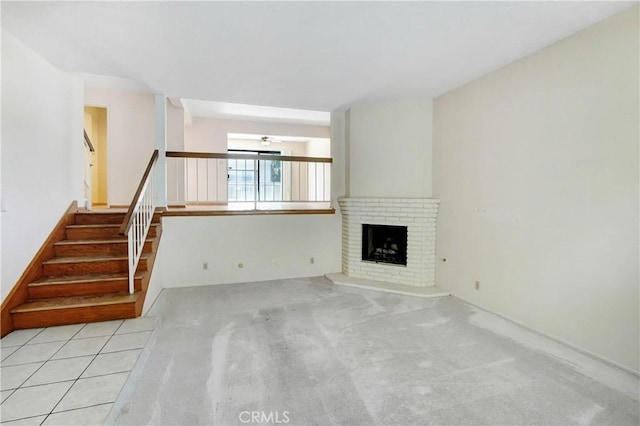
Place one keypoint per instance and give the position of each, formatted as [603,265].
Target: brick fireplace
[418,215]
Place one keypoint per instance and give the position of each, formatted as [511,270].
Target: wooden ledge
[199,212]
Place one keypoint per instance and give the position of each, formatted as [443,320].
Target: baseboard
[606,371]
[19,293]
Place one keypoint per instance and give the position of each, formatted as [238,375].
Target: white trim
[606,371]
[404,290]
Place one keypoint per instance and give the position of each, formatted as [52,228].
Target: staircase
[87,279]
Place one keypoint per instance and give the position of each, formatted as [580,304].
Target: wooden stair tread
[111,210]
[85,259]
[71,279]
[114,240]
[75,302]
[121,211]
[96,225]
[101,225]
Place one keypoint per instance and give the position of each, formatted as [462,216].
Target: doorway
[246,177]
[95,126]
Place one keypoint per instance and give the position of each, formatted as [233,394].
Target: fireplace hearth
[384,244]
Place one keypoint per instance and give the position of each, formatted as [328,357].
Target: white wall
[267,128]
[130,121]
[205,135]
[211,135]
[175,128]
[339,170]
[156,281]
[389,146]
[318,148]
[269,246]
[42,147]
[536,166]
[290,148]
[175,170]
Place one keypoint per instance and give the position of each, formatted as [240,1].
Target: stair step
[84,232]
[88,218]
[101,232]
[118,245]
[75,309]
[87,279]
[106,217]
[105,210]
[74,302]
[82,285]
[83,265]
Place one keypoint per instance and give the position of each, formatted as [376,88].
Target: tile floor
[70,374]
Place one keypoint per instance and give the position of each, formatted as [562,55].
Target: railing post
[132,272]
[255,184]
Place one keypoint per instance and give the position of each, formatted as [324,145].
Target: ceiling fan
[267,140]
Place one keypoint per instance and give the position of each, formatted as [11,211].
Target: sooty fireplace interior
[384,244]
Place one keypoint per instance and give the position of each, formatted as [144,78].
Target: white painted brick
[419,215]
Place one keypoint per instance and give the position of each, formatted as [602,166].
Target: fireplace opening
[384,244]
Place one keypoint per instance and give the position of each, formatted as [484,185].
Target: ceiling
[198,108]
[304,55]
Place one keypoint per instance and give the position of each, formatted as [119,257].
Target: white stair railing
[138,219]
[247,181]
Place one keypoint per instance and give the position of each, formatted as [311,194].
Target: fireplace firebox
[384,244]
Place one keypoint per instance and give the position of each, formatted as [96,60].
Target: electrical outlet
[205,266]
[312,260]
[477,285]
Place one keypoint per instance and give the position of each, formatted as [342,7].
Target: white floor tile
[95,329]
[31,421]
[33,401]
[123,342]
[93,391]
[6,351]
[19,337]
[115,362]
[136,325]
[32,353]
[59,370]
[82,416]
[12,377]
[56,334]
[5,394]
[81,347]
